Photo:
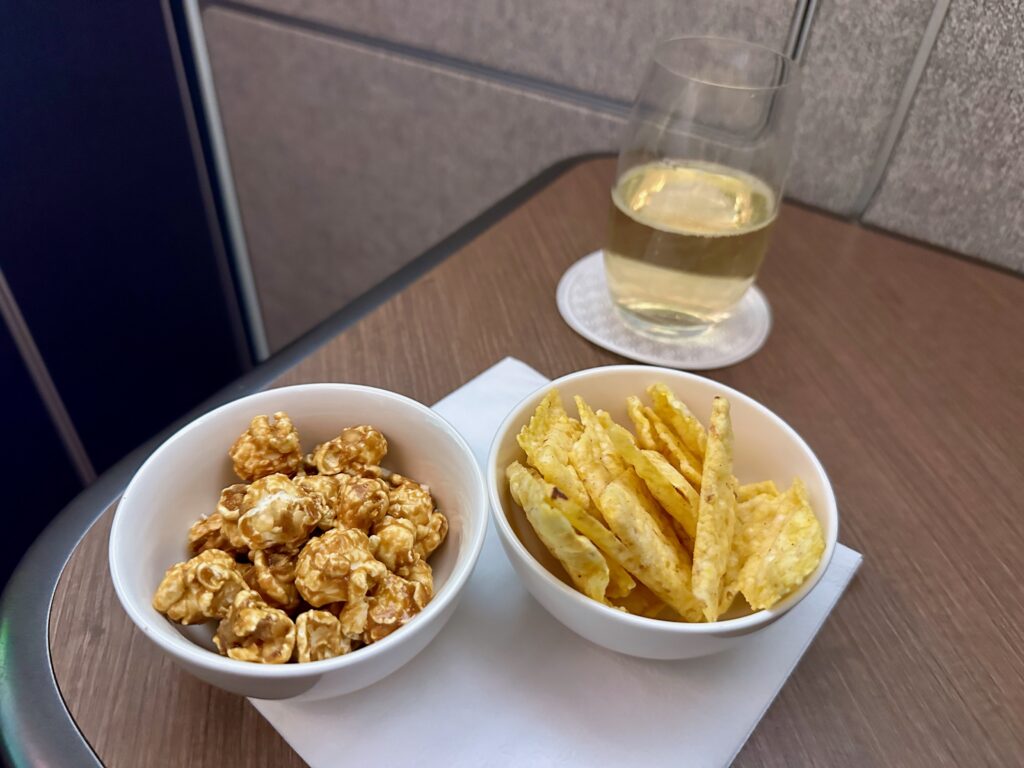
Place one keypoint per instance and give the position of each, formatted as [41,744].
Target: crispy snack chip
[754,518]
[656,523]
[668,487]
[620,561]
[641,424]
[643,602]
[789,551]
[716,519]
[583,562]
[603,464]
[547,441]
[675,413]
[605,540]
[606,452]
[620,583]
[660,565]
[619,469]
[668,444]
[750,490]
[585,457]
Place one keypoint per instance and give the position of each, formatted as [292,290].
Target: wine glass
[700,177]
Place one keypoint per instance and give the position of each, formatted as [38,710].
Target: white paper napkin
[504,684]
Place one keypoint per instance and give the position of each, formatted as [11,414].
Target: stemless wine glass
[699,181]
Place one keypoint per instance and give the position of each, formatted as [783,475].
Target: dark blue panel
[103,233]
[41,479]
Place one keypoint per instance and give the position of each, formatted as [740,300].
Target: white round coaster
[587,307]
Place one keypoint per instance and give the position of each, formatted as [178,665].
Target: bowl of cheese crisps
[300,542]
[658,513]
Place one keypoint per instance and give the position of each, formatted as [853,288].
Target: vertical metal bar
[800,28]
[238,329]
[243,267]
[899,116]
[47,390]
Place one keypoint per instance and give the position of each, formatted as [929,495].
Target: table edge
[36,727]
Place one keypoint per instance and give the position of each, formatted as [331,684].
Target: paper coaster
[586,306]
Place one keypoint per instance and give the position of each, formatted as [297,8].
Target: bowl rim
[208,660]
[740,624]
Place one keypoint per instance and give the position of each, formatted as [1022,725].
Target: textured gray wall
[598,46]
[857,58]
[361,132]
[957,175]
[349,162]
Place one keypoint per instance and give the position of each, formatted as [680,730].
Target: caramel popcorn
[318,636]
[354,448]
[337,566]
[199,589]
[272,575]
[261,556]
[394,542]
[352,502]
[267,449]
[229,505]
[277,513]
[352,618]
[220,529]
[368,470]
[253,631]
[324,486]
[208,533]
[392,604]
[411,501]
[421,575]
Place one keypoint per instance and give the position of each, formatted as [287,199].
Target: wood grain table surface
[901,365]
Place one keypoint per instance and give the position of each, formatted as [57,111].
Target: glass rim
[789,63]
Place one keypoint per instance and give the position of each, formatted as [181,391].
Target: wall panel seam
[232,211]
[557,91]
[876,175]
[231,295]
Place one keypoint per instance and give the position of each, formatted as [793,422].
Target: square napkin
[504,684]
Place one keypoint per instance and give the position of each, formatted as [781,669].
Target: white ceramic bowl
[765,448]
[183,478]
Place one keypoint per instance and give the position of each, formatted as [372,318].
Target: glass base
[586,305]
[663,324]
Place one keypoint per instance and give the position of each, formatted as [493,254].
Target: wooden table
[900,364]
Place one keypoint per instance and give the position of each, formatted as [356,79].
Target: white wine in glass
[699,182]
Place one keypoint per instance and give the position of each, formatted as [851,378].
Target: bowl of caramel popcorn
[301,542]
